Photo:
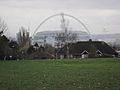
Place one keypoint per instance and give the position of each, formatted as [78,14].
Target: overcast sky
[100,16]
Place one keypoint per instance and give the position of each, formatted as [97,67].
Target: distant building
[49,37]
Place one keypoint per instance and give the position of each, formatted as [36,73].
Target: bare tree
[3,26]
[66,36]
[61,38]
[23,38]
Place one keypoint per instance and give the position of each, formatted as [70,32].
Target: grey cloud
[63,4]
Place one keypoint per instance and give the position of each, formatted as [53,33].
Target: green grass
[85,74]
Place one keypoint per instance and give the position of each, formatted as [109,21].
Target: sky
[99,16]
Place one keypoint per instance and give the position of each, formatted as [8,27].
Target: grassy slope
[91,74]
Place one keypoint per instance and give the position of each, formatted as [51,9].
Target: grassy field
[84,74]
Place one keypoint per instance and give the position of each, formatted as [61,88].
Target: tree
[3,40]
[115,45]
[23,40]
[14,49]
[4,47]
[31,50]
[23,37]
[49,49]
[65,37]
[3,27]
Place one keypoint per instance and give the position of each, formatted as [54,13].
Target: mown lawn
[84,74]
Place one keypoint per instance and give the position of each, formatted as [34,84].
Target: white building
[49,37]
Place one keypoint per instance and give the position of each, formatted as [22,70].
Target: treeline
[22,48]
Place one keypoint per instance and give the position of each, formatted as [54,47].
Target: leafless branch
[3,26]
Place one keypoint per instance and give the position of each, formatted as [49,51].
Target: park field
[77,74]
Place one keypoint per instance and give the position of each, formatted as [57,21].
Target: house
[89,48]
